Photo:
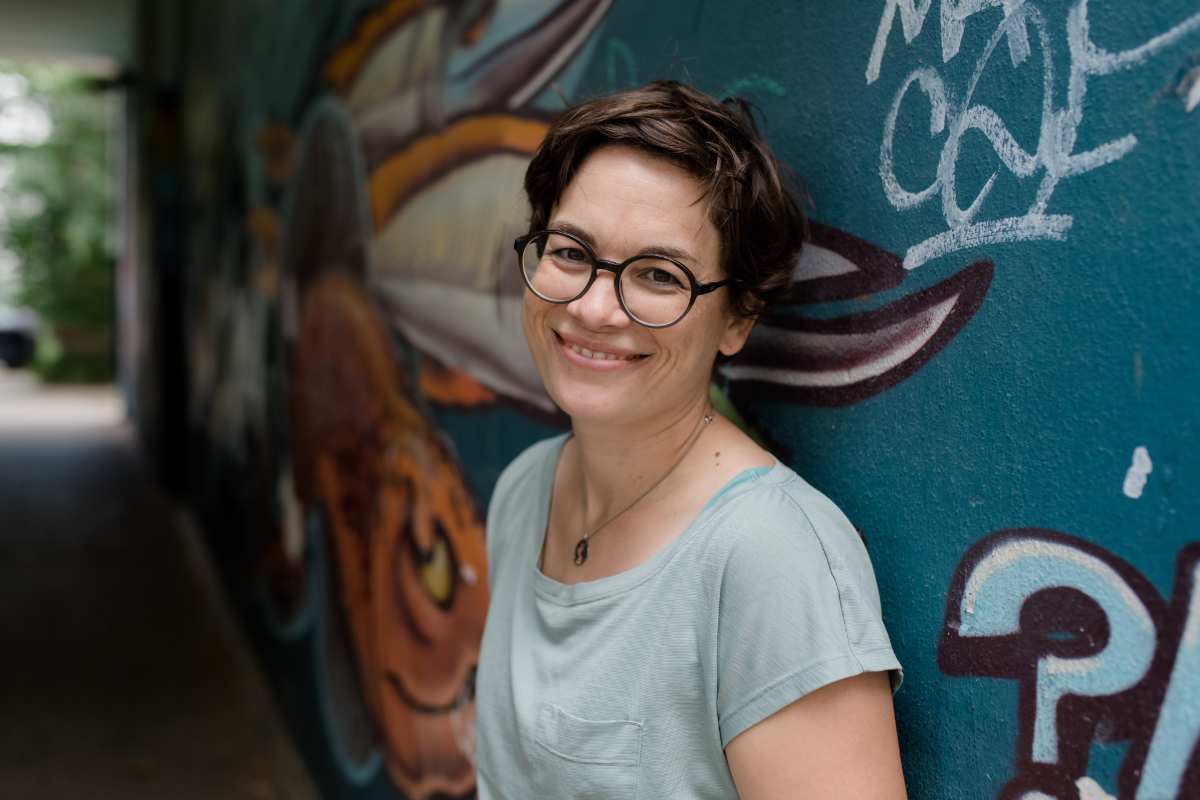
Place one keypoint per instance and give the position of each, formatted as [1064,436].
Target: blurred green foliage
[57,218]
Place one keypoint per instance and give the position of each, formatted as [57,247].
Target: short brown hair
[752,203]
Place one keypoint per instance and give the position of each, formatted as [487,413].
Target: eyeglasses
[654,290]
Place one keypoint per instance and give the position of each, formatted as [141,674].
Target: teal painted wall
[989,360]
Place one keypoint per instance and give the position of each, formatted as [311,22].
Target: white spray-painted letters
[1054,156]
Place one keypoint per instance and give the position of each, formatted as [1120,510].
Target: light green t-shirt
[630,686]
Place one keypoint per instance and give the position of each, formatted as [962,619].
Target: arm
[837,742]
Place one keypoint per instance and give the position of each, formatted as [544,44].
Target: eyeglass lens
[654,290]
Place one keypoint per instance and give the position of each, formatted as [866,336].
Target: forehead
[629,201]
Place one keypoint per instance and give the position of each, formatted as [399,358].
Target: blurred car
[18,331]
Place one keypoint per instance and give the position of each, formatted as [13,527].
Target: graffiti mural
[1096,652]
[842,360]
[991,328]
[389,163]
[402,202]
[407,539]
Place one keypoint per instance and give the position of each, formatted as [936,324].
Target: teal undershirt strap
[743,476]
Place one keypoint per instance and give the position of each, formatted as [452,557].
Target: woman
[674,612]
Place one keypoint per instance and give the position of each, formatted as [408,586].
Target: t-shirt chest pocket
[581,758]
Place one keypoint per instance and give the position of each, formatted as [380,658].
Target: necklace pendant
[581,552]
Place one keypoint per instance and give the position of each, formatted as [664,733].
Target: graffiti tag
[1099,656]
[1054,156]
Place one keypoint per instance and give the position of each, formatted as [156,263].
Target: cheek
[688,352]
[534,321]
[704,338]
[530,315]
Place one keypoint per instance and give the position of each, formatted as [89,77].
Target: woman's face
[624,202]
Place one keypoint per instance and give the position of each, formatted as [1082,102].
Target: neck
[615,466]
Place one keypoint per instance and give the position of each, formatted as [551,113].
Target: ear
[737,328]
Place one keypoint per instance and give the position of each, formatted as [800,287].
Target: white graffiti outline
[1057,134]
[952,20]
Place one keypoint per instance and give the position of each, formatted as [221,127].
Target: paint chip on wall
[1189,89]
[1135,476]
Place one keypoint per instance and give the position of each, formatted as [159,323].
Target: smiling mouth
[596,355]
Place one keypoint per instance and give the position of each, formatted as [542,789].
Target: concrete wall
[84,31]
[990,360]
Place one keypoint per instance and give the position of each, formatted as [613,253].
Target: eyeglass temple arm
[705,288]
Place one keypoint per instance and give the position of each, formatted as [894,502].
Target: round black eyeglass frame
[617,269]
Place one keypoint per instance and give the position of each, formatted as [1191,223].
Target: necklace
[581,547]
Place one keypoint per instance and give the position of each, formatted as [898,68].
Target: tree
[56,217]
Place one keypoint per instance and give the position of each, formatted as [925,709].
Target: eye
[425,544]
[573,254]
[659,276]
[662,278]
[436,565]
[437,568]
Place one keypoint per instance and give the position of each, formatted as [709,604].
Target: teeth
[583,351]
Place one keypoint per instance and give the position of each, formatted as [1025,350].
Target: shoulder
[779,518]
[788,541]
[797,606]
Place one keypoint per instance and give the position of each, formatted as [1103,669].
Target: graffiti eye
[436,567]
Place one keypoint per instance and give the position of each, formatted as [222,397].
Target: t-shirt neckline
[585,591]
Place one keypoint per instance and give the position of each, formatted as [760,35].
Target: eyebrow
[654,249]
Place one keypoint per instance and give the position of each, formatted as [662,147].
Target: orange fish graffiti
[406,535]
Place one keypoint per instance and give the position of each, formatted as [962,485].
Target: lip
[606,365]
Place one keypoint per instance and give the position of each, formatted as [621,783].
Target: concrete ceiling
[98,33]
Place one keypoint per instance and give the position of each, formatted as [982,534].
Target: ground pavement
[123,674]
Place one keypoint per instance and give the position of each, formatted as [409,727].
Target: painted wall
[989,358]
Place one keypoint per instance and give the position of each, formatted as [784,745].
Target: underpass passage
[122,674]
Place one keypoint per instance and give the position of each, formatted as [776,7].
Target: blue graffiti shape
[1095,649]
[1164,763]
[996,593]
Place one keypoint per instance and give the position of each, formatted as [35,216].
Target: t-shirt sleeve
[798,609]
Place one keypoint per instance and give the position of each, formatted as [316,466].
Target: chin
[581,402]
[582,394]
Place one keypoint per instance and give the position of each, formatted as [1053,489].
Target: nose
[599,307]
